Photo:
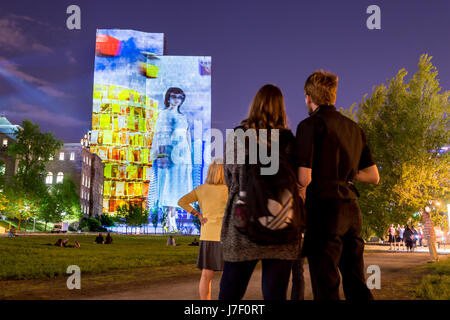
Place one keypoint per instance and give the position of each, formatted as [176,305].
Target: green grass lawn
[436,286]
[28,257]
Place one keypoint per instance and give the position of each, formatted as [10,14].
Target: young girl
[212,198]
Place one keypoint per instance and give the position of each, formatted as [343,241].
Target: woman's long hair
[267,110]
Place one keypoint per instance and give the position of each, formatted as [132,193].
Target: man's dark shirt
[335,148]
[99,240]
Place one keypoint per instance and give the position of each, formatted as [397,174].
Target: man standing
[331,152]
[429,234]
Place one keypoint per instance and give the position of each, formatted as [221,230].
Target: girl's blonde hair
[215,172]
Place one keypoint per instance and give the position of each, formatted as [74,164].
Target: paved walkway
[392,265]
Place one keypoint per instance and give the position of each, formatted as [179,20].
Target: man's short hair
[322,87]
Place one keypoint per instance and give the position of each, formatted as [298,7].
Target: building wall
[9,161]
[67,166]
[91,191]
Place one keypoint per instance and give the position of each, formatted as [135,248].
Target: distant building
[66,163]
[8,164]
[92,178]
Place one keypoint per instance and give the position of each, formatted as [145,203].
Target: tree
[406,124]
[133,215]
[154,218]
[195,219]
[27,188]
[19,205]
[67,199]
[59,202]
[32,149]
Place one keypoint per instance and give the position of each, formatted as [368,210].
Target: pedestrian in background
[391,233]
[429,235]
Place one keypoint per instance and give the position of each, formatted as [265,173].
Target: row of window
[85,195]
[85,181]
[59,178]
[85,209]
[61,156]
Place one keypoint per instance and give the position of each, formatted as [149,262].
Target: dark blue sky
[46,70]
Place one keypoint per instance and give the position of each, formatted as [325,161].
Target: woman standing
[212,198]
[240,253]
[172,155]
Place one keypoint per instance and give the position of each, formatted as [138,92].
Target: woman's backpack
[272,211]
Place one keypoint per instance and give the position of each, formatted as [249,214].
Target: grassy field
[436,286]
[32,257]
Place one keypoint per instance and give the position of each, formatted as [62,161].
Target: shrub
[74,226]
[91,224]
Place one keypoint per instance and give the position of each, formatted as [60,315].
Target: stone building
[66,163]
[8,164]
[92,173]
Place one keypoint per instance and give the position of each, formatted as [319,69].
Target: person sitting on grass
[99,239]
[12,232]
[171,242]
[195,242]
[75,244]
[65,242]
[59,243]
[109,239]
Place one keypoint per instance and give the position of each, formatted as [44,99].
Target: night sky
[46,70]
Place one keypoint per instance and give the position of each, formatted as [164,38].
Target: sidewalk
[385,248]
[393,268]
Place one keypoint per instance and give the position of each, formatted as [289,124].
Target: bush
[434,287]
[74,226]
[91,224]
[107,221]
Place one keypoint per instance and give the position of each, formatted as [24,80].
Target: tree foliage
[32,149]
[133,215]
[406,124]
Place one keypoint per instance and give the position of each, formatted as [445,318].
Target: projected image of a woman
[172,151]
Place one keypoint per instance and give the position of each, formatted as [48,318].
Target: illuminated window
[5,142]
[61,156]
[72,156]
[59,177]
[49,178]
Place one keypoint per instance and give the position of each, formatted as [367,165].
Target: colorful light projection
[136,132]
[123,117]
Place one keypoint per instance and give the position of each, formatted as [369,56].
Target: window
[88,183]
[61,156]
[88,196]
[59,177]
[49,178]
[5,142]
[72,156]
